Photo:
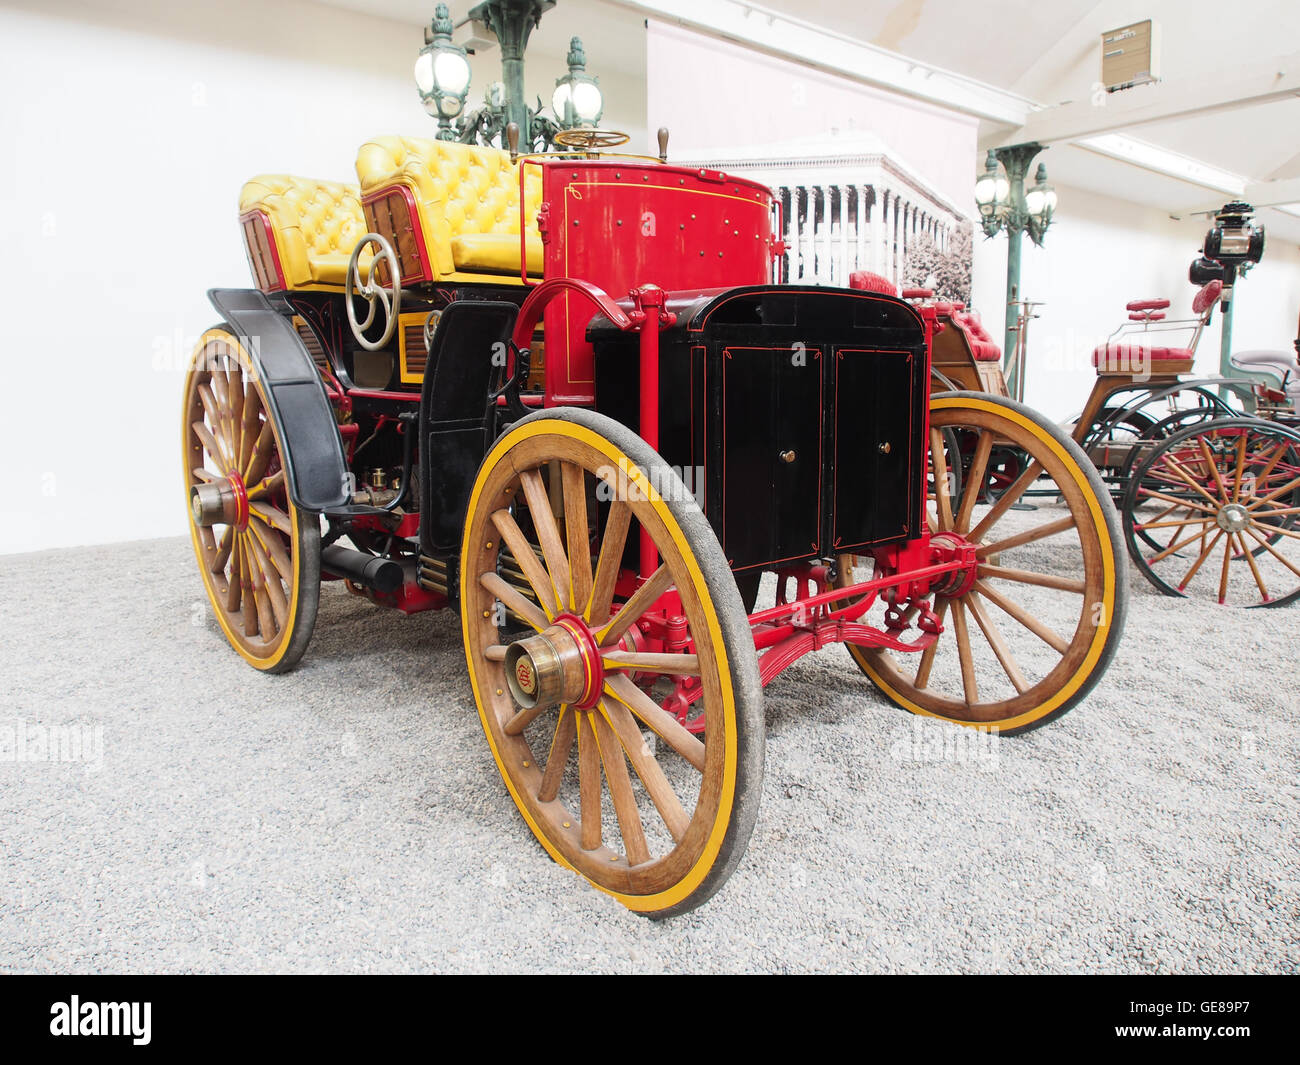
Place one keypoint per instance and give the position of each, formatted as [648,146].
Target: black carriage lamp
[577,100]
[1230,249]
[442,73]
[1004,203]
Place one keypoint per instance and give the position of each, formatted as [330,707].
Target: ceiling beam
[1164,161]
[1257,194]
[1270,79]
[813,46]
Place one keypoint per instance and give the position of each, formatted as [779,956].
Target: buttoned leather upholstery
[968,324]
[467,199]
[982,345]
[866,281]
[315,223]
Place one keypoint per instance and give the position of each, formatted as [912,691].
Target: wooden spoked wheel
[1214,513]
[258,556]
[612,784]
[1036,628]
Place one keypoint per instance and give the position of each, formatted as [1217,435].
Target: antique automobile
[563,395]
[1205,470]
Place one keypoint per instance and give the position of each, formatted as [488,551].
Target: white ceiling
[1047,51]
[613,36]
[996,41]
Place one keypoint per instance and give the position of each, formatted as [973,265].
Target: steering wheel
[590,140]
[376,294]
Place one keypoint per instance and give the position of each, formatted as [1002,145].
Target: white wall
[715,94]
[1102,252]
[128,128]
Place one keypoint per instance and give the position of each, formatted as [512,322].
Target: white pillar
[800,226]
[859,229]
[842,273]
[895,237]
[886,232]
[792,228]
[877,229]
[901,250]
[827,266]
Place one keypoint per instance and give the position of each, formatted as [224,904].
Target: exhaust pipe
[381,575]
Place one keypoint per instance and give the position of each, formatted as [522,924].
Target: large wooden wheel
[1214,513]
[1035,629]
[259,557]
[614,786]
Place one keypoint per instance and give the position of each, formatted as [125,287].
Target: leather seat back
[465,199]
[299,231]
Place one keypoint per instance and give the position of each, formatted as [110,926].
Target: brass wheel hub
[561,664]
[222,502]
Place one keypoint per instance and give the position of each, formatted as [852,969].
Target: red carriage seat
[967,323]
[1138,353]
[1206,297]
[982,345]
[869,282]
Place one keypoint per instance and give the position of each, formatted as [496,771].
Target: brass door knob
[886,448]
[786,456]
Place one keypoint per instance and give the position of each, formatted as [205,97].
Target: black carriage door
[771,433]
[874,447]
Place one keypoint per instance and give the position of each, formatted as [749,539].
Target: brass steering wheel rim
[376,294]
[589,140]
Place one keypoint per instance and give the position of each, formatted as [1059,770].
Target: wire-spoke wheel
[1034,630]
[627,722]
[1214,513]
[258,556]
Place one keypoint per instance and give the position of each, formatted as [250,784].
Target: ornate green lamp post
[442,76]
[577,100]
[513,21]
[442,73]
[1005,204]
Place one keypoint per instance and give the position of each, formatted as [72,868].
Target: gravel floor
[348,816]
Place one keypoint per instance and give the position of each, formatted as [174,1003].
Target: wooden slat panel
[391,219]
[259,255]
[313,344]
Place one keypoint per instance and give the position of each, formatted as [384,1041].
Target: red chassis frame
[908,574]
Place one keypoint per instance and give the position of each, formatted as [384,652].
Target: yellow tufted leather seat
[314,225]
[467,199]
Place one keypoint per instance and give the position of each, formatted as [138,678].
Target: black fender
[314,465]
[457,415]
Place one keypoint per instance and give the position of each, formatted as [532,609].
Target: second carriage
[1205,470]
